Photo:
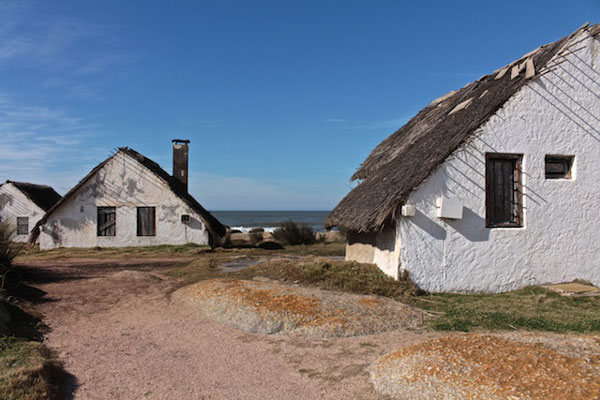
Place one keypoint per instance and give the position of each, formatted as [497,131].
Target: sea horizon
[244,220]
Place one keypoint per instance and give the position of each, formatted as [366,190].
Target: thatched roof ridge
[215,228]
[43,196]
[408,156]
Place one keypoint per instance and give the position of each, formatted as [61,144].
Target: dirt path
[121,338]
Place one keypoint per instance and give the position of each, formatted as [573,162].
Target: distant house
[129,200]
[494,186]
[23,204]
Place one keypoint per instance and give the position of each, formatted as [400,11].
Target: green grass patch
[531,308]
[28,371]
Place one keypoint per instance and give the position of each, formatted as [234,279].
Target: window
[146,221]
[503,194]
[107,221]
[558,167]
[22,225]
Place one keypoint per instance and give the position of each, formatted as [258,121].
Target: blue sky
[282,100]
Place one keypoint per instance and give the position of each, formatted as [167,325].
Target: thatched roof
[42,195]
[215,229]
[408,156]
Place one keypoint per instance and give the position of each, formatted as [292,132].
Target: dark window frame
[104,226]
[20,225]
[517,222]
[566,160]
[144,225]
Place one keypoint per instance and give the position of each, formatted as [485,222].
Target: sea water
[268,220]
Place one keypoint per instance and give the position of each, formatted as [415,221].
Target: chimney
[180,161]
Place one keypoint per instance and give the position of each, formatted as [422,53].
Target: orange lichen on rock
[488,366]
[370,301]
[270,307]
[304,310]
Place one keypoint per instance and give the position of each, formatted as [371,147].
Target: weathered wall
[360,246]
[381,248]
[13,204]
[125,184]
[559,113]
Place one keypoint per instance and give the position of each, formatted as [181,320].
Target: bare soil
[120,336]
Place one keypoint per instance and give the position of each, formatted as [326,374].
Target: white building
[493,187]
[23,204]
[129,200]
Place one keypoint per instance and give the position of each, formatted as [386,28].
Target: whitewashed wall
[559,113]
[13,204]
[125,184]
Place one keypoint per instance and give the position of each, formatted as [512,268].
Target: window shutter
[503,190]
[146,221]
[107,221]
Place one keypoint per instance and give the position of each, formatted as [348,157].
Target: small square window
[559,167]
[185,218]
[22,225]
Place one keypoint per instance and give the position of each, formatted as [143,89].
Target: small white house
[23,204]
[129,200]
[493,187]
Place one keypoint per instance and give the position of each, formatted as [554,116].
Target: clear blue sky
[282,100]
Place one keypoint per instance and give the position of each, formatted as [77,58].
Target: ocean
[246,220]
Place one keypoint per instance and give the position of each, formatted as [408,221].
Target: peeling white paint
[13,204]
[125,184]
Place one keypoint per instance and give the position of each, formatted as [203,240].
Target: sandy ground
[121,338]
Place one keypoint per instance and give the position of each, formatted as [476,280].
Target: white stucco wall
[125,184]
[13,204]
[558,113]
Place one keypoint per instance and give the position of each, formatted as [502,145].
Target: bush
[257,230]
[293,234]
[8,252]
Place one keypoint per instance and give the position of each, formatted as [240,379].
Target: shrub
[292,233]
[8,252]
[257,230]
[255,237]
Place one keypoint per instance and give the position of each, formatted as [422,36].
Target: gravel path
[119,335]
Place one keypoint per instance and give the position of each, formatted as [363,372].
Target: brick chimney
[180,161]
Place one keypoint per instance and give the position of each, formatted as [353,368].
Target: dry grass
[531,308]
[336,248]
[190,249]
[28,371]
